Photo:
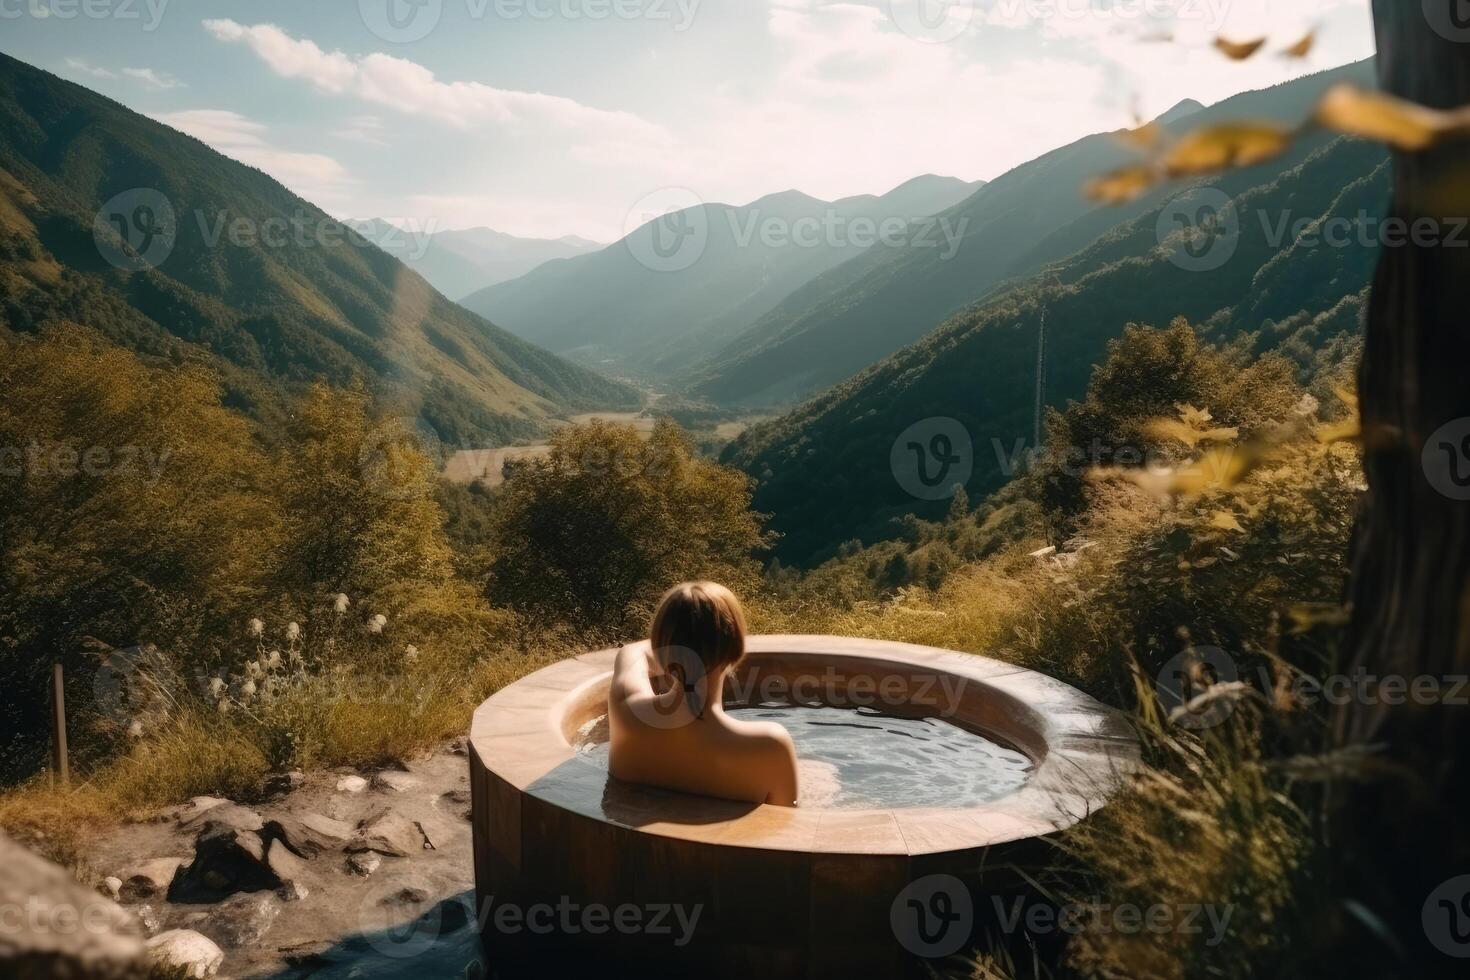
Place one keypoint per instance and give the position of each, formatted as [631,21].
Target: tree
[595,531]
[359,496]
[1410,586]
[130,508]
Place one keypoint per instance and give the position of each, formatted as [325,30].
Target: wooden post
[62,767]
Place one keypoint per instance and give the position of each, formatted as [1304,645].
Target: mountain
[115,221]
[679,286]
[1293,278]
[872,305]
[458,263]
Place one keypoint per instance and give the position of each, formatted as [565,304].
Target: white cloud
[156,80]
[412,89]
[363,129]
[77,64]
[315,176]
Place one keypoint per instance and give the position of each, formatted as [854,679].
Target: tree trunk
[1400,838]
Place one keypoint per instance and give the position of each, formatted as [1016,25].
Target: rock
[389,833]
[364,863]
[151,918]
[112,887]
[404,896]
[225,862]
[281,783]
[285,865]
[50,906]
[242,921]
[394,782]
[188,951]
[309,834]
[292,891]
[201,803]
[457,801]
[149,879]
[351,784]
[224,816]
[460,746]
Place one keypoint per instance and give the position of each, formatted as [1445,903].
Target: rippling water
[858,759]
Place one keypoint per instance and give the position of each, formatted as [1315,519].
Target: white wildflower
[135,730]
[341,603]
[411,653]
[293,632]
[1308,405]
[273,660]
[248,689]
[252,668]
[216,686]
[256,627]
[377,623]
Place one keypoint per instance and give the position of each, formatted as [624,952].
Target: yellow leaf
[1222,147]
[1345,431]
[1238,50]
[1121,186]
[1166,429]
[1303,47]
[1306,617]
[1224,520]
[1386,119]
[1142,138]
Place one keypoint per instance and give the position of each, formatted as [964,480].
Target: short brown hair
[702,617]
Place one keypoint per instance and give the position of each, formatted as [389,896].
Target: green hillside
[869,307]
[824,469]
[635,310]
[260,284]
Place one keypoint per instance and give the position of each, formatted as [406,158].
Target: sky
[546,118]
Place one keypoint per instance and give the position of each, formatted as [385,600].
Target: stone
[364,863]
[112,887]
[241,922]
[351,784]
[151,918]
[224,816]
[292,891]
[192,953]
[285,865]
[110,940]
[457,801]
[405,895]
[309,834]
[394,782]
[225,862]
[282,783]
[201,803]
[148,879]
[390,834]
[460,746]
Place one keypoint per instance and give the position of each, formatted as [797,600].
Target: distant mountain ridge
[868,307]
[627,309]
[461,262]
[247,277]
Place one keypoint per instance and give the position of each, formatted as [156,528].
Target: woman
[666,712]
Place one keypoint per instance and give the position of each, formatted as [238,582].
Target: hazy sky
[554,117]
